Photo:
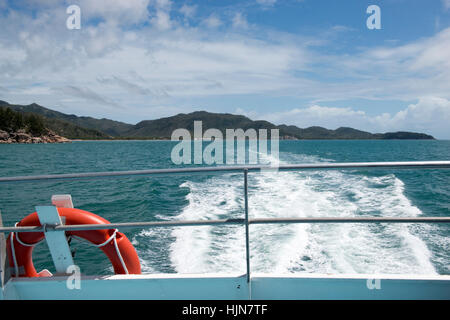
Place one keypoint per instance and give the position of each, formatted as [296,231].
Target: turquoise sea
[314,248]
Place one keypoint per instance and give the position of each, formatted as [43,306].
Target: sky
[295,62]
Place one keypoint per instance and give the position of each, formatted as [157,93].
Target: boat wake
[300,248]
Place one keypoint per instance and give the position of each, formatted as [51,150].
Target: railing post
[247,243]
[4,264]
[2,258]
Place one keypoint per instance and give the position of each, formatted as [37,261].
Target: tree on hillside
[35,124]
[12,121]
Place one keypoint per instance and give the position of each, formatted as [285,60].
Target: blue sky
[300,62]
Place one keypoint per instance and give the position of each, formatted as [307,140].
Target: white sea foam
[312,248]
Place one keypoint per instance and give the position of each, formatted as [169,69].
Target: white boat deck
[233,287]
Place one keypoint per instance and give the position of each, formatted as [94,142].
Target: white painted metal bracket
[56,240]
[62,200]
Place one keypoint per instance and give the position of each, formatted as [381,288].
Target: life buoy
[114,244]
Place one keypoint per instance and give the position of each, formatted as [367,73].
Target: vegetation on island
[11,121]
[32,120]
[36,119]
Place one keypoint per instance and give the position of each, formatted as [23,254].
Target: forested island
[34,123]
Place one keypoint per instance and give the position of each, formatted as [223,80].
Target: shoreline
[81,140]
[21,136]
[51,139]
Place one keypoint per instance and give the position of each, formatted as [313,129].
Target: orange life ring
[114,244]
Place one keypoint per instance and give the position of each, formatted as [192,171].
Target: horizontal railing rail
[246,221]
[305,166]
[191,223]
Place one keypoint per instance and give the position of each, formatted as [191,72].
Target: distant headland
[36,124]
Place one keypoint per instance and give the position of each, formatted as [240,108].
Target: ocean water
[296,248]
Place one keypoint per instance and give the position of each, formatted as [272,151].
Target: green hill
[164,127]
[105,126]
[75,127]
[53,120]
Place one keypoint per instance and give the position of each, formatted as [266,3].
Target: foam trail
[313,248]
[210,249]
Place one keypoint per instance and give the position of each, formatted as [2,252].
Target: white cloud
[100,40]
[266,2]
[417,56]
[446,4]
[116,11]
[188,11]
[86,94]
[142,67]
[35,4]
[212,21]
[192,59]
[316,115]
[240,21]
[429,115]
[403,72]
[132,87]
[163,4]
[162,20]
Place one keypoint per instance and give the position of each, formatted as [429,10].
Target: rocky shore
[21,136]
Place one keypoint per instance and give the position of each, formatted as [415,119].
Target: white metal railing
[305,166]
[246,221]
